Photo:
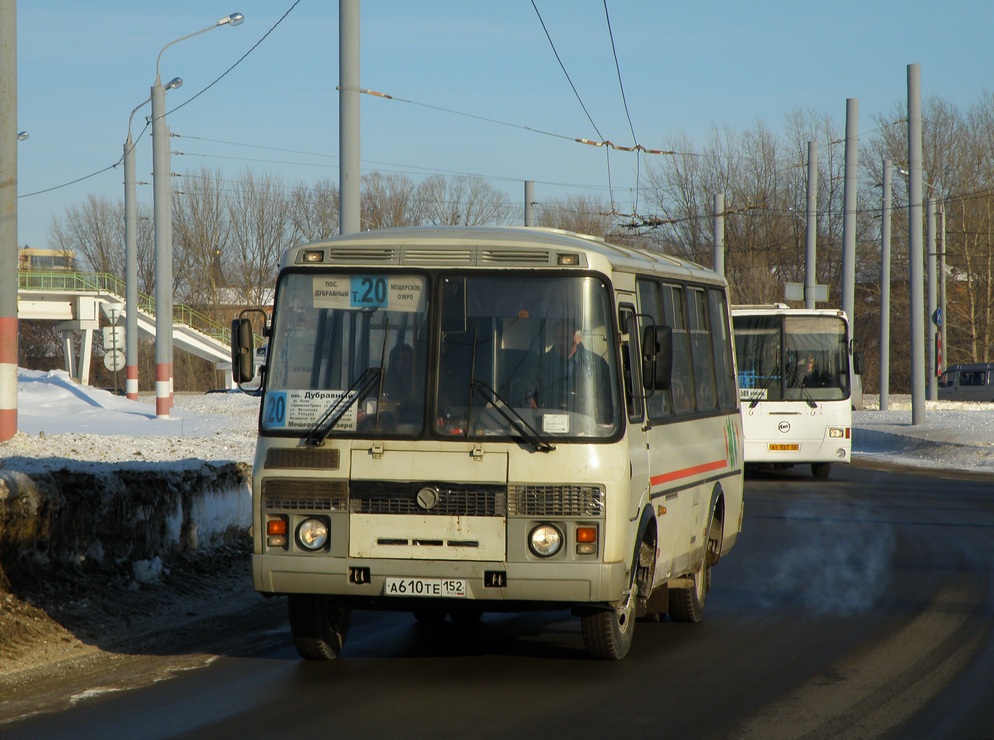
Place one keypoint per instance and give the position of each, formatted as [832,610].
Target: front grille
[558,500]
[393,497]
[304,494]
[302,457]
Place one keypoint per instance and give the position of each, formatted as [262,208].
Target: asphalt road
[859,606]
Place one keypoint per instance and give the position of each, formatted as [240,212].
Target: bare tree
[200,235]
[95,232]
[261,229]
[315,211]
[390,201]
[577,213]
[463,201]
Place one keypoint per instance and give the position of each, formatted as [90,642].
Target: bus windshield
[448,355]
[792,358]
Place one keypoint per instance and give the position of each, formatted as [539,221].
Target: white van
[972,382]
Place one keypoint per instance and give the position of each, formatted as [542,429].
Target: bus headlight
[312,534]
[545,540]
[836,432]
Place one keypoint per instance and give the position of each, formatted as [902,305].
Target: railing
[102,282]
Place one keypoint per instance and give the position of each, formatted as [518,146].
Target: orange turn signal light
[276,527]
[586,534]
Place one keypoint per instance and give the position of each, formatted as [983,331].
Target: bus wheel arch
[319,624]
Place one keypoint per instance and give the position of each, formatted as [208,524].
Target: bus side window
[703,355]
[727,398]
[675,316]
[658,402]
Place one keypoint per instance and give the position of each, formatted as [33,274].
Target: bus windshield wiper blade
[512,417]
[804,391]
[766,386]
[321,430]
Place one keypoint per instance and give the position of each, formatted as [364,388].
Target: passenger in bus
[571,377]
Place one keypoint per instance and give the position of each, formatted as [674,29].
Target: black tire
[319,625]
[821,470]
[687,604]
[607,634]
[430,616]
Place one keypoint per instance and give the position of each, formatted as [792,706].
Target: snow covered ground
[60,420]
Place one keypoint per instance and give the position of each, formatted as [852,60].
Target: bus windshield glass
[447,355]
[792,358]
[539,345]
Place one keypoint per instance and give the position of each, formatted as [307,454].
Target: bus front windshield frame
[495,355]
[792,358]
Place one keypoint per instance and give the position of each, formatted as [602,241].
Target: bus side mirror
[657,357]
[242,351]
[857,363]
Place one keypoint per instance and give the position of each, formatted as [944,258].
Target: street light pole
[162,214]
[131,254]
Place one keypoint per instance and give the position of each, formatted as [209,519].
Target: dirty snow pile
[58,418]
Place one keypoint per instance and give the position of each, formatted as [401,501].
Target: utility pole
[719,234]
[811,236]
[915,250]
[932,385]
[885,288]
[8,219]
[349,221]
[849,217]
[529,202]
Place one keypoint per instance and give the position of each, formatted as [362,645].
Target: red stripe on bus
[687,472]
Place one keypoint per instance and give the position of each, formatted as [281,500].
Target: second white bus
[795,370]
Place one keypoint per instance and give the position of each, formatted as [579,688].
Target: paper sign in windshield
[390,292]
[304,409]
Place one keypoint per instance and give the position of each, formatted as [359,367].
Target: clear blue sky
[82,67]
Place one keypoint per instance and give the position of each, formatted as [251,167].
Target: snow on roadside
[59,419]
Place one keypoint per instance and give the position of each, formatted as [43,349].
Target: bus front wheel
[821,470]
[319,625]
[608,634]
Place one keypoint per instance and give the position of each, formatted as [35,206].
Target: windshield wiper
[321,430]
[804,391]
[512,417]
[766,387]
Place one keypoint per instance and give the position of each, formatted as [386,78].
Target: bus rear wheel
[319,625]
[687,604]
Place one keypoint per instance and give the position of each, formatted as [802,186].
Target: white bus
[795,372]
[463,420]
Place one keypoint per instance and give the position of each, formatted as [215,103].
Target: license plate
[439,588]
[793,447]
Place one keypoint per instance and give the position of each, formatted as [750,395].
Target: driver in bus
[571,377]
[813,378]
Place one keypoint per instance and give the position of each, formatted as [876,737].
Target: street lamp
[162,215]
[131,254]
[22,135]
